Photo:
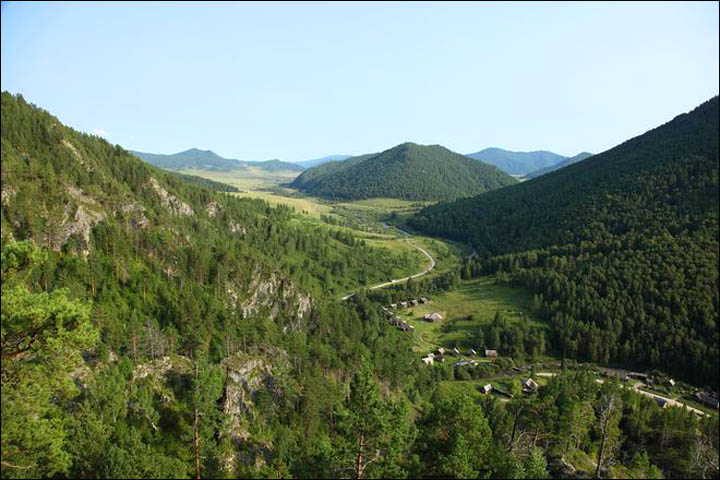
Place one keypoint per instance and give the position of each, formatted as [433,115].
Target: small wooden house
[491,353]
[707,399]
[432,317]
[529,385]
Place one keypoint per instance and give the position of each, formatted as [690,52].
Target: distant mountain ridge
[407,171]
[577,158]
[319,161]
[517,163]
[197,159]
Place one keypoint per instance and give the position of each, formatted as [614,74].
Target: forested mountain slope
[407,171]
[152,328]
[517,163]
[622,247]
[557,166]
[135,304]
[208,160]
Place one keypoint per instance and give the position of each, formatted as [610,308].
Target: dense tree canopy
[622,248]
[156,329]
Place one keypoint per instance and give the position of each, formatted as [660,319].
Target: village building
[461,363]
[406,327]
[661,402]
[428,360]
[413,302]
[432,317]
[455,352]
[403,304]
[471,353]
[486,389]
[441,351]
[621,375]
[638,376]
[424,300]
[707,399]
[393,305]
[671,382]
[491,353]
[529,385]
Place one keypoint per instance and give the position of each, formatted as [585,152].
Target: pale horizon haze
[296,81]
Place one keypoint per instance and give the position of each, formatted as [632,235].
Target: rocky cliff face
[176,206]
[249,375]
[274,295]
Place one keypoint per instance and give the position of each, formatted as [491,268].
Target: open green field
[465,310]
[385,205]
[250,178]
[303,205]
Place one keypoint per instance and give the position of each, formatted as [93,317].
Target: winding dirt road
[400,280]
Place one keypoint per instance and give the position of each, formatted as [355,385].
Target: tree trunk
[196,431]
[196,442]
[514,430]
[359,467]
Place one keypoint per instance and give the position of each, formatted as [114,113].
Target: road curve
[670,401]
[400,280]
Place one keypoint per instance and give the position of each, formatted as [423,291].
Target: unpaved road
[400,280]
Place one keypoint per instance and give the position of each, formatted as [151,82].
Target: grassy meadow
[465,310]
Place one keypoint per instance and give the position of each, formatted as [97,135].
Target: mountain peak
[408,171]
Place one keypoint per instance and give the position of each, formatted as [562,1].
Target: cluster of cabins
[529,386]
[439,356]
[397,321]
[401,324]
[410,303]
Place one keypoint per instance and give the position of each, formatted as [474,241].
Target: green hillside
[134,302]
[154,328]
[569,161]
[621,248]
[207,183]
[195,159]
[312,178]
[408,171]
[517,163]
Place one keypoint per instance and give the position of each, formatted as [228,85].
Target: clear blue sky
[302,80]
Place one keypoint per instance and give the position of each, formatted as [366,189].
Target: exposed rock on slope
[177,206]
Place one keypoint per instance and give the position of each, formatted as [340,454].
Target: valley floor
[466,310]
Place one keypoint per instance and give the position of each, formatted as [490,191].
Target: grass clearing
[465,310]
[247,179]
[306,205]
